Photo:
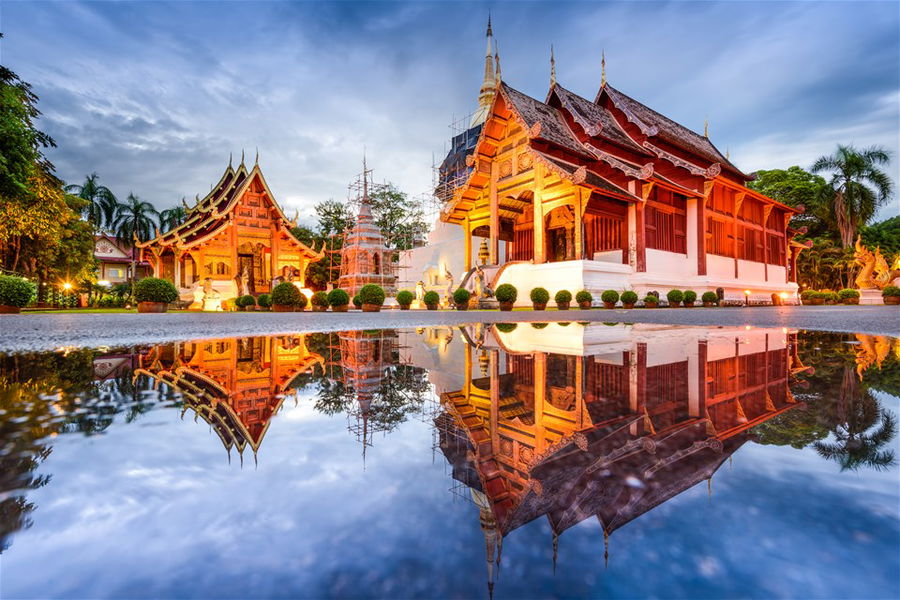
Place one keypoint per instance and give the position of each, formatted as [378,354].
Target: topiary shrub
[584,297]
[319,301]
[806,294]
[539,325]
[891,290]
[563,297]
[264,301]
[431,298]
[505,327]
[338,297]
[461,297]
[629,298]
[287,294]
[539,295]
[245,301]
[689,296]
[357,301]
[675,297]
[506,292]
[154,289]
[405,298]
[650,300]
[609,297]
[709,298]
[372,294]
[848,293]
[16,291]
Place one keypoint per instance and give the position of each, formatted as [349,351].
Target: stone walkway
[47,331]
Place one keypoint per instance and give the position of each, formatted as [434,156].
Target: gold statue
[875,272]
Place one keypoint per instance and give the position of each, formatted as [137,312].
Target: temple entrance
[245,273]
[168,266]
[560,234]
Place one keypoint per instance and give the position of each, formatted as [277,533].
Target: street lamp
[746,297]
[67,286]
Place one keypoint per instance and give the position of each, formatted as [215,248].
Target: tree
[135,221]
[334,217]
[796,187]
[400,219]
[857,186]
[884,235]
[172,217]
[100,209]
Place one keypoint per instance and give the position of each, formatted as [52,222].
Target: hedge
[16,291]
[154,289]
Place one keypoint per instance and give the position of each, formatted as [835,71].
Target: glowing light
[746,292]
[104,283]
[67,286]
[784,330]
[748,327]
[784,295]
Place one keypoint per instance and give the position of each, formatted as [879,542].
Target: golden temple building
[234,241]
[235,384]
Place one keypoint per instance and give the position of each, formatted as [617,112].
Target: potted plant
[15,293]
[584,299]
[505,327]
[651,301]
[849,296]
[432,300]
[372,297]
[674,297]
[629,299]
[405,299]
[461,299]
[338,300]
[891,295]
[609,298]
[689,297]
[563,299]
[539,298]
[319,302]
[506,295]
[264,301]
[832,297]
[357,301]
[539,325]
[245,302]
[153,295]
[285,296]
[709,299]
[806,296]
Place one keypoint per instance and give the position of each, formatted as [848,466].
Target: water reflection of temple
[236,385]
[572,422]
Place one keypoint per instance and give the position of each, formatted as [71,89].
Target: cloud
[155,96]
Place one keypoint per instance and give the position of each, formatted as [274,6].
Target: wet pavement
[47,331]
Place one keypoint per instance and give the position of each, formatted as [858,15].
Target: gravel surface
[44,331]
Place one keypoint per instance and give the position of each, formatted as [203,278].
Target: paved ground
[48,331]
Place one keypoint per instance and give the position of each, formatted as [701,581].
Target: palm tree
[101,208]
[172,217]
[858,186]
[135,221]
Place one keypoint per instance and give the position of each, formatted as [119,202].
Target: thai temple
[571,193]
[234,241]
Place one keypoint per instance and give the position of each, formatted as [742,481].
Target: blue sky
[154,96]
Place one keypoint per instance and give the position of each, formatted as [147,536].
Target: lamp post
[746,297]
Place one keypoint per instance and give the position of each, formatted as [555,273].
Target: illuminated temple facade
[572,193]
[235,241]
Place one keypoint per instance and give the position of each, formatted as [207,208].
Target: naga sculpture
[875,272]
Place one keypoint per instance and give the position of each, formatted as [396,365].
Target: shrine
[575,194]
[233,242]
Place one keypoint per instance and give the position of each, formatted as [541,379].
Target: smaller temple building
[114,260]
[235,241]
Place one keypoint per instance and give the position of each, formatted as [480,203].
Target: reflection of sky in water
[153,509]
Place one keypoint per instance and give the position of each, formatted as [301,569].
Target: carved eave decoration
[633,171]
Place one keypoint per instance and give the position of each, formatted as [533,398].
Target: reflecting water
[529,460]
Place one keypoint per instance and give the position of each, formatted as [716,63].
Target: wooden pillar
[579,390]
[467,228]
[540,392]
[538,214]
[495,215]
[640,253]
[176,275]
[701,235]
[579,221]
[698,404]
[739,200]
[495,401]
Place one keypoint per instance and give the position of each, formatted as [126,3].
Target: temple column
[697,407]
[467,228]
[494,245]
[540,392]
[579,224]
[701,236]
[495,401]
[177,270]
[691,244]
[538,215]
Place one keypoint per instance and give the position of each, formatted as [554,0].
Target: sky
[154,96]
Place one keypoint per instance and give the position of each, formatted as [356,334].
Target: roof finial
[242,156]
[602,68]
[256,160]
[365,183]
[706,127]
[552,67]
[229,159]
[497,59]
[489,31]
[728,157]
